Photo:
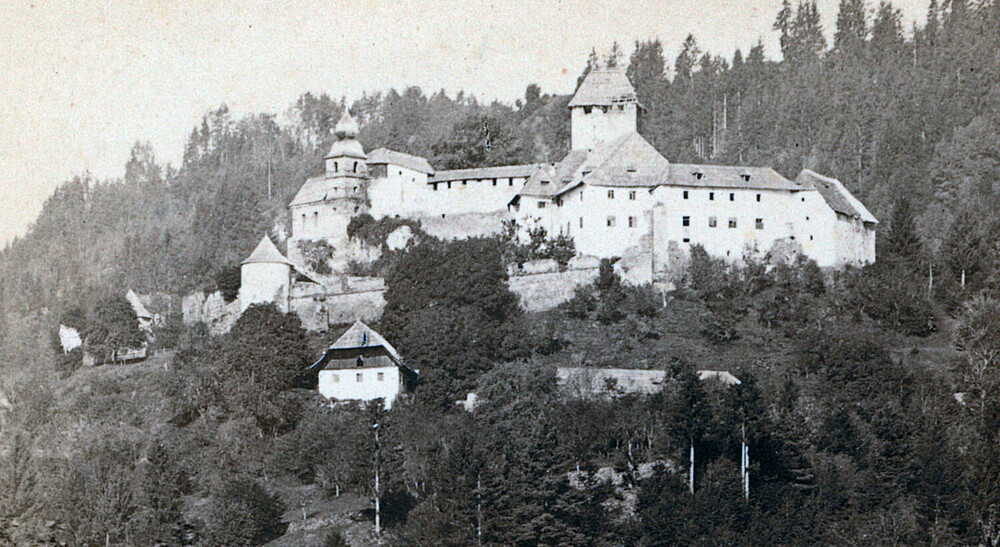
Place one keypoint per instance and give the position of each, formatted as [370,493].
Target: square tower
[604,108]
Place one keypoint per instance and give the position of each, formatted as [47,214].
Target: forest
[868,396]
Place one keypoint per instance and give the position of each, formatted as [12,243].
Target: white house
[363,366]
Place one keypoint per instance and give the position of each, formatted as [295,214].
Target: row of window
[711,196]
[336,167]
[713,222]
[510,182]
[380,376]
[611,195]
[632,222]
[605,109]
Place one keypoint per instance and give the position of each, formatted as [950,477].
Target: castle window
[758,197]
[315,217]
[698,175]
[810,238]
[685,194]
[494,182]
[464,182]
[611,222]
[380,376]
[541,204]
[631,195]
[687,240]
[732,196]
[581,222]
[807,218]
[587,109]
[685,221]
[355,167]
[746,177]
[303,220]
[712,222]
[435,186]
[335,167]
[732,222]
[510,181]
[611,194]
[803,200]
[759,224]
[631,222]
[621,107]
[711,196]
[544,182]
[449,185]
[360,376]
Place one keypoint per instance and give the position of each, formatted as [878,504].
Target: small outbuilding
[362,366]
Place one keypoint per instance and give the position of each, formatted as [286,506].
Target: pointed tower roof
[267,253]
[604,87]
[347,144]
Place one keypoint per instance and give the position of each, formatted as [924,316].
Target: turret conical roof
[267,253]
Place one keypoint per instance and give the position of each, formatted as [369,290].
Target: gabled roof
[267,253]
[604,87]
[628,160]
[500,172]
[386,156]
[836,195]
[140,310]
[358,338]
[729,176]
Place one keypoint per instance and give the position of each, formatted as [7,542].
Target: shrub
[584,302]
[243,513]
[644,300]
[227,281]
[317,255]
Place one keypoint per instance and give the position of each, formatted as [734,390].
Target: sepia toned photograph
[448,273]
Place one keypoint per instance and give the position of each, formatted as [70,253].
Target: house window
[732,196]
[449,185]
[360,376]
[355,167]
[685,194]
[685,221]
[631,195]
[631,222]
[758,197]
[335,378]
[541,204]
[581,195]
[611,222]
[687,240]
[303,220]
[581,222]
[712,222]
[759,224]
[711,196]
[380,376]
[611,194]
[494,182]
[510,182]
[810,238]
[732,222]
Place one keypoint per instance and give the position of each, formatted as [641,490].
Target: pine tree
[852,29]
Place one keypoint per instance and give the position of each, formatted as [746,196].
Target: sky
[83,80]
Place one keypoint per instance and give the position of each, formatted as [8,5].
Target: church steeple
[347,157]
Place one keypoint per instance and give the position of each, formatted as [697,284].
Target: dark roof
[604,87]
[384,155]
[836,195]
[729,176]
[362,340]
[501,172]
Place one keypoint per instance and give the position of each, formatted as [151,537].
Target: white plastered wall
[344,384]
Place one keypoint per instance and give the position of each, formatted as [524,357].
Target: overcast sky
[83,80]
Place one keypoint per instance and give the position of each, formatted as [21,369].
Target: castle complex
[613,193]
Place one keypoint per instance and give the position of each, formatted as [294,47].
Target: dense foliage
[868,397]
